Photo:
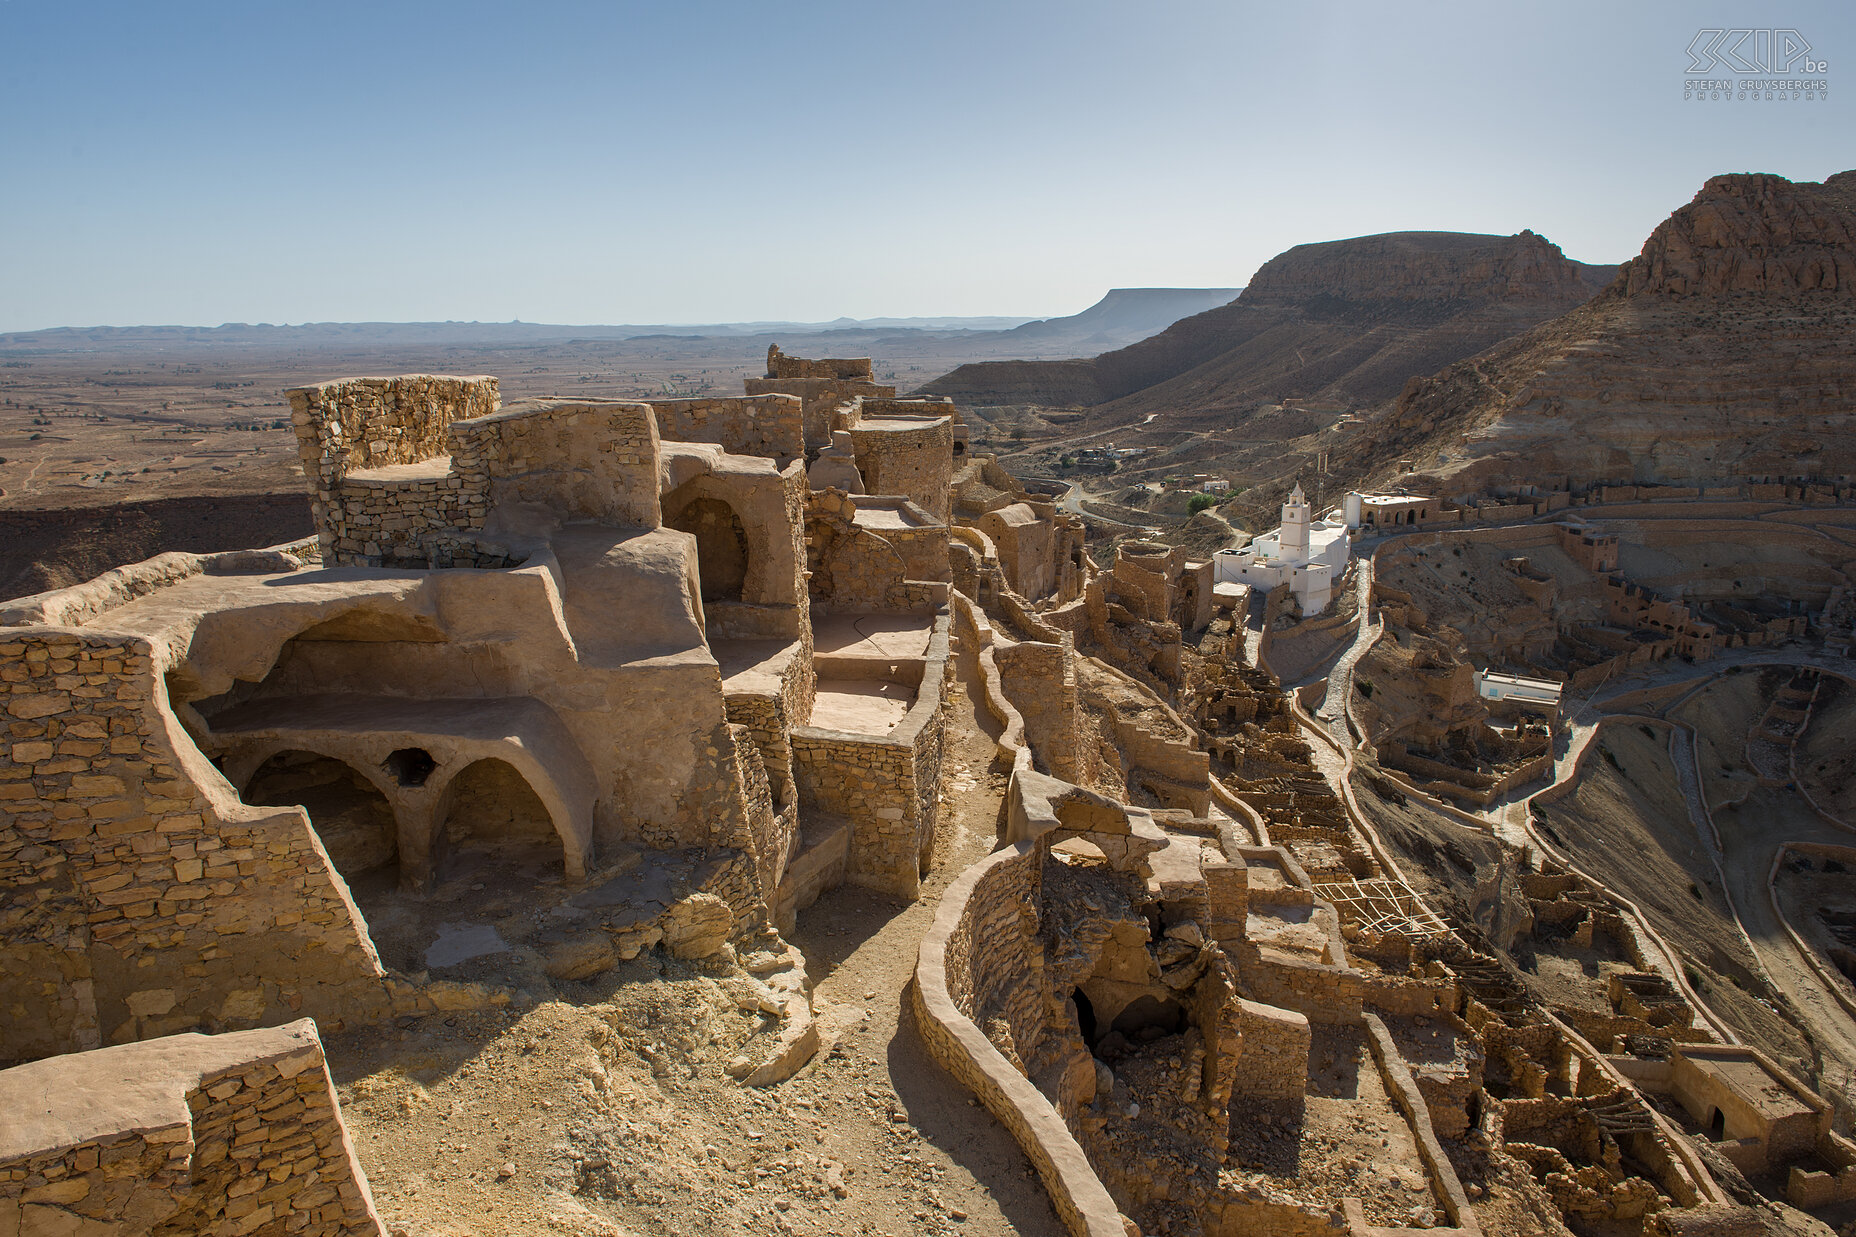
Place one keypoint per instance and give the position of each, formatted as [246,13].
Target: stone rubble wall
[237,1135]
[916,462]
[141,902]
[1274,1062]
[581,459]
[767,425]
[369,423]
[779,365]
[1040,681]
[820,400]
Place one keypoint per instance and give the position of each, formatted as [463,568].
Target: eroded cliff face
[1753,234]
[1348,320]
[1721,352]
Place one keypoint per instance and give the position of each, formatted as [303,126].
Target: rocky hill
[1346,320]
[1720,352]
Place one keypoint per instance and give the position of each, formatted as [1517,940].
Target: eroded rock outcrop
[1719,354]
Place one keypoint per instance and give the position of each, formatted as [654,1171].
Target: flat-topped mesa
[1719,356]
[1752,232]
[1422,266]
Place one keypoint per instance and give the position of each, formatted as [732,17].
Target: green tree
[1200,502]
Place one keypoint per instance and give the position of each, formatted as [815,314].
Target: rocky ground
[608,1112]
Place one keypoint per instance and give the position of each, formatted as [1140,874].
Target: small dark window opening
[410,766]
[1085,1017]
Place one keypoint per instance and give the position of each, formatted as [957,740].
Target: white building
[1539,694]
[1306,554]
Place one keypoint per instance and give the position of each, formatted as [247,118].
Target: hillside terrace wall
[237,1135]
[768,425]
[144,897]
[888,785]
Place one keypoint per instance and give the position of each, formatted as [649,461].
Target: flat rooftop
[873,635]
[861,706]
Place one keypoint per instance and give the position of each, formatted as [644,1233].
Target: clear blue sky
[693,161]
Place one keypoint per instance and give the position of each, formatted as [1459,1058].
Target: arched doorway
[490,806]
[721,546]
[348,812]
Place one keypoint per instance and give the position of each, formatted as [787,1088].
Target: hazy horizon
[216,163]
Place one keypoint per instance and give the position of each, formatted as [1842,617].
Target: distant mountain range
[1120,318]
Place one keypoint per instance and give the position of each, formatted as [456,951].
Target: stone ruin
[611,669]
[652,675]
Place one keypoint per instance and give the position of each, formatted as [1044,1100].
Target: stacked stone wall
[237,1135]
[1040,681]
[912,458]
[595,460]
[820,400]
[374,423]
[584,460]
[138,905]
[1273,1063]
[767,425]
[888,786]
[779,365]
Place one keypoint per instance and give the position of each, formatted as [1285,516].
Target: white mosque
[1306,554]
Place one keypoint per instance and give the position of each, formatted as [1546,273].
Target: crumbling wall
[580,460]
[779,365]
[769,425]
[960,958]
[234,1134]
[436,456]
[913,458]
[822,387]
[362,424]
[145,898]
[1040,681]
[1273,1063]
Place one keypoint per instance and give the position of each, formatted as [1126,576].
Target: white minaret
[1295,515]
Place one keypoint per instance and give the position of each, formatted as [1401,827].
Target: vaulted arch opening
[490,801]
[722,552]
[350,815]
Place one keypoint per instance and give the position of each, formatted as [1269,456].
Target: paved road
[1333,710]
